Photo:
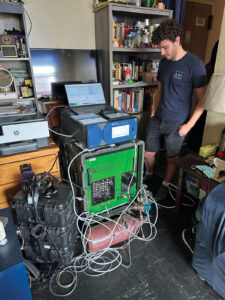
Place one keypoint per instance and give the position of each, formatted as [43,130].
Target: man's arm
[185,128]
[156,100]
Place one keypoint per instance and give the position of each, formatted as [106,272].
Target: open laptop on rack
[87,98]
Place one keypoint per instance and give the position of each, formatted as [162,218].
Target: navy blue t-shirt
[178,79]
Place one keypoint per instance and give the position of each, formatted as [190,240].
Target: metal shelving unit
[12,17]
[15,59]
[103,36]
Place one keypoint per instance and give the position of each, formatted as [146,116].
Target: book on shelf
[140,71]
[19,72]
[129,100]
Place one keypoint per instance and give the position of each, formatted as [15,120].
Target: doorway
[196,27]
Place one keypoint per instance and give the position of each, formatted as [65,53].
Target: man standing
[179,73]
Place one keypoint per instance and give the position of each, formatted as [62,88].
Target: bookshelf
[114,24]
[18,98]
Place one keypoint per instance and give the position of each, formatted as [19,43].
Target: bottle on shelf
[130,41]
[134,29]
[127,74]
[138,38]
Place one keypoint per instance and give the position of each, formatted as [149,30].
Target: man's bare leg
[171,168]
[150,161]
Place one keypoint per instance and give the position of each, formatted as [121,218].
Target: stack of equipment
[108,177]
[48,227]
[90,121]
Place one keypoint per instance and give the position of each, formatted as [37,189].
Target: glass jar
[129,41]
[147,3]
[145,38]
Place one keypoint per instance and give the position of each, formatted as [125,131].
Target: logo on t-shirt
[178,75]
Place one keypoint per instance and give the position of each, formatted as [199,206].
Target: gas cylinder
[111,233]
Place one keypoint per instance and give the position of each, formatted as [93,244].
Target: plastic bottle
[127,74]
[129,41]
[138,38]
[3,239]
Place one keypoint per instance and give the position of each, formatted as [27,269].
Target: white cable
[59,106]
[46,117]
[70,180]
[172,187]
[183,237]
[107,259]
[61,134]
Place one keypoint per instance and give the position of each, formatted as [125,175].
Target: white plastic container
[3,239]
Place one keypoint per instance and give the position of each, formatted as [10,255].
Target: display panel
[84,94]
[64,65]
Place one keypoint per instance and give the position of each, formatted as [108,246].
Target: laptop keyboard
[93,109]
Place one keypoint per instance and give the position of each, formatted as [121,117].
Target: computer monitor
[64,65]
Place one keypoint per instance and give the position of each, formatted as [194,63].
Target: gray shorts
[169,130]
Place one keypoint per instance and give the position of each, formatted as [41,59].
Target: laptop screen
[84,94]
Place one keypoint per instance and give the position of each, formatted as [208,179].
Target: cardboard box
[149,77]
[208,150]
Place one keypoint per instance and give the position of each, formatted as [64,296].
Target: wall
[70,23]
[61,24]
[215,122]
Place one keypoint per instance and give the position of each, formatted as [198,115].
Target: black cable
[53,163]
[32,268]
[37,187]
[57,249]
[30,22]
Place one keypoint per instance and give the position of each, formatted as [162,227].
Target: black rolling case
[54,211]
[48,229]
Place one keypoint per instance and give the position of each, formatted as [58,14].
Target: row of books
[135,100]
[121,31]
[129,100]
[136,69]
[19,72]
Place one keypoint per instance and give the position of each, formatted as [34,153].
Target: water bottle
[129,41]
[138,38]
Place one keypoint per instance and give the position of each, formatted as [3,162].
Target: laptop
[58,89]
[87,98]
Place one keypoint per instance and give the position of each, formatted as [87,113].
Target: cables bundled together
[43,184]
[46,222]
[40,184]
[102,247]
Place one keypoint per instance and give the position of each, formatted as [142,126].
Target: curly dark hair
[167,30]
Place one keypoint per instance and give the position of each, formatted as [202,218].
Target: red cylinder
[101,237]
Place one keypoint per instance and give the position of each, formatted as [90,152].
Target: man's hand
[152,114]
[184,129]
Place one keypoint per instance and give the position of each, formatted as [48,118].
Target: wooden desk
[41,160]
[185,167]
